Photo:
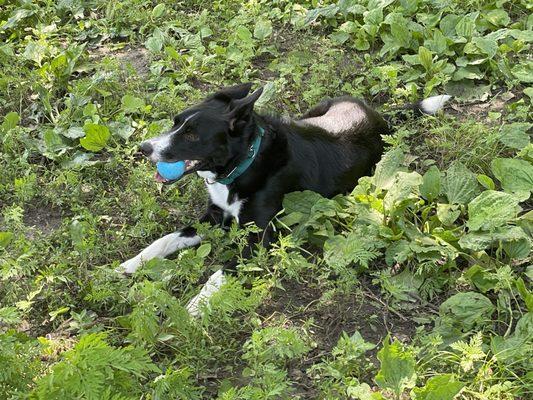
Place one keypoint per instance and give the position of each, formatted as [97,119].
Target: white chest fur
[219,196]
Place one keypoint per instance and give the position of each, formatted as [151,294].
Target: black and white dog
[250,161]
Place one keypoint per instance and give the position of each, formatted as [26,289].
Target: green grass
[416,285]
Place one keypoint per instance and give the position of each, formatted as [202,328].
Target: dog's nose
[146,148]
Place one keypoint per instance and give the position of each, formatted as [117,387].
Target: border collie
[250,161]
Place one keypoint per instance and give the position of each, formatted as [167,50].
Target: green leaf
[131,104]
[5,239]
[486,181]
[477,241]
[491,209]
[467,308]
[469,72]
[523,71]
[466,25]
[385,169]
[480,278]
[460,184]
[440,387]
[515,135]
[158,10]
[515,175]
[426,58]
[244,34]
[204,250]
[155,42]
[498,17]
[263,29]
[487,46]
[448,213]
[397,371]
[11,120]
[96,137]
[431,183]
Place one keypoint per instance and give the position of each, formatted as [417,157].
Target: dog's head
[210,135]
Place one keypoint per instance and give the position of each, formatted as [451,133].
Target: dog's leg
[169,244]
[217,280]
[213,285]
[160,248]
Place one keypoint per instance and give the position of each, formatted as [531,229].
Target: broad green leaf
[477,241]
[96,137]
[426,58]
[460,184]
[486,181]
[480,278]
[466,25]
[35,51]
[448,213]
[405,187]
[487,46]
[5,238]
[431,183]
[339,37]
[204,250]
[523,71]
[467,308]
[469,72]
[158,10]
[491,209]
[397,371]
[263,29]
[54,143]
[438,43]
[440,387]
[79,160]
[373,16]
[515,135]
[11,120]
[155,42]
[363,392]
[244,34]
[498,17]
[131,104]
[385,169]
[514,174]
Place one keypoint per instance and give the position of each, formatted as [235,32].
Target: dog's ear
[233,92]
[241,108]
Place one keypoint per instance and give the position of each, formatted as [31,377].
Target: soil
[43,218]
[137,57]
[363,311]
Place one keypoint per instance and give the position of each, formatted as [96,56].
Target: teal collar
[244,164]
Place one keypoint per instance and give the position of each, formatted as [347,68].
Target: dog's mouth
[190,166]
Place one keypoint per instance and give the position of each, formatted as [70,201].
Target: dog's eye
[190,136]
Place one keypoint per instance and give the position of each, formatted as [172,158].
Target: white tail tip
[434,103]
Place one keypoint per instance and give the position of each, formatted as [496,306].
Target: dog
[250,161]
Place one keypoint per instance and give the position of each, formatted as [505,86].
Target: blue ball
[171,171]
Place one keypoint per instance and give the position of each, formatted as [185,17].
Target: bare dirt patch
[42,218]
[137,57]
[362,311]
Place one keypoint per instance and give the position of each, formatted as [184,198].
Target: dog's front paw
[213,285]
[130,266]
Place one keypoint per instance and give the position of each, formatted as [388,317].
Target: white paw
[213,285]
[130,266]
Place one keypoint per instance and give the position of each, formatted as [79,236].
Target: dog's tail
[428,106]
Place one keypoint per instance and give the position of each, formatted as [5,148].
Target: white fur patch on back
[339,118]
[219,195]
[434,103]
